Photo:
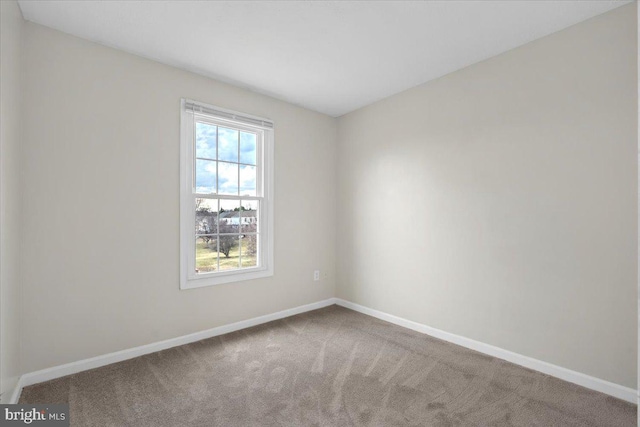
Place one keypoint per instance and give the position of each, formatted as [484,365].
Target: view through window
[225,164]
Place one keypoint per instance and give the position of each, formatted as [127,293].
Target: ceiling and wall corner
[332,56]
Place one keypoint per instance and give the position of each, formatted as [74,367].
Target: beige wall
[499,202]
[11,24]
[101,203]
[638,135]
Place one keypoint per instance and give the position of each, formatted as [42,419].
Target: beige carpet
[330,367]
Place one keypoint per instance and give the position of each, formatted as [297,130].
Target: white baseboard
[615,390]
[13,394]
[17,391]
[107,359]
[612,389]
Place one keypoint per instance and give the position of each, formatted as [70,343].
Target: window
[226,203]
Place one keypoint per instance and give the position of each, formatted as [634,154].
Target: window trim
[187,216]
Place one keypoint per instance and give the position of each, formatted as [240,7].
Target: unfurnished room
[319,213]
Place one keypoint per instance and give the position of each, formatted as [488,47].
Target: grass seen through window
[207,255]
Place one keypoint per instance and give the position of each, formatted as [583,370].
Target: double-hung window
[226,196]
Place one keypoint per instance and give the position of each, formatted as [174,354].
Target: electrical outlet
[316,275]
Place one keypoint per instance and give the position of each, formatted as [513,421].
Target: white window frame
[189,110]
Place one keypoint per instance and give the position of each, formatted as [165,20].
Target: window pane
[205,176]
[205,140]
[228,144]
[229,253]
[206,254]
[249,250]
[228,178]
[247,180]
[248,148]
[249,216]
[206,215]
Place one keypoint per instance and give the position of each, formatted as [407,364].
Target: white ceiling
[330,56]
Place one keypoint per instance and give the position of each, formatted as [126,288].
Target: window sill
[224,277]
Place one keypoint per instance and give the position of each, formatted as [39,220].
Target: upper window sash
[260,160]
